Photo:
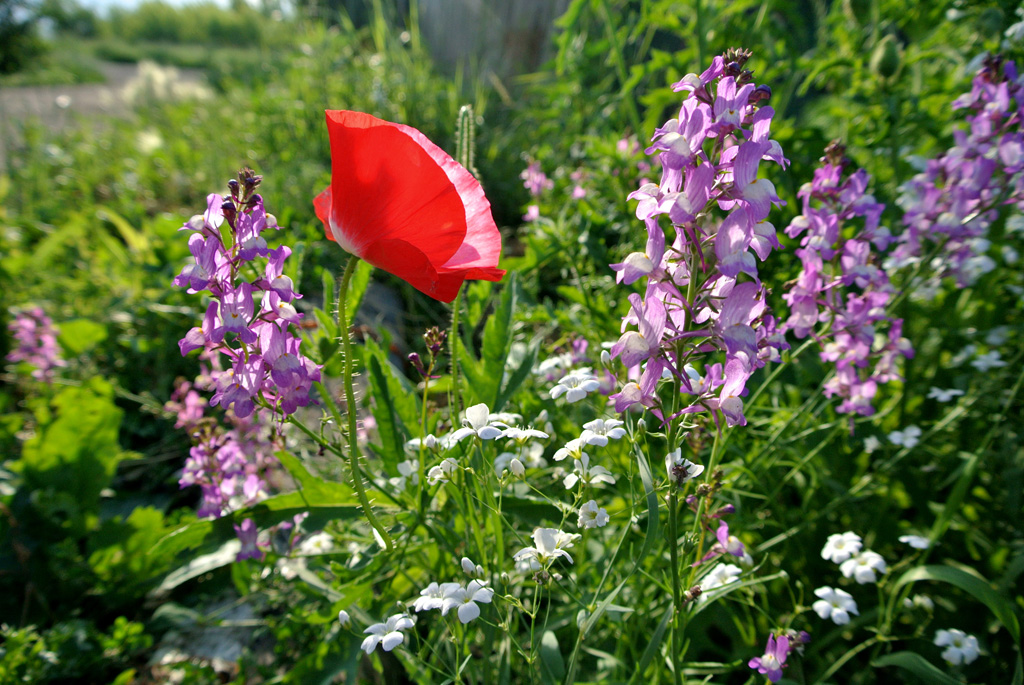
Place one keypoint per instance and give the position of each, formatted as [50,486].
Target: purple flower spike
[710,157]
[37,346]
[771,663]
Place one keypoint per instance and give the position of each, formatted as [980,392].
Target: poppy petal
[401,203]
[410,264]
[322,207]
[388,181]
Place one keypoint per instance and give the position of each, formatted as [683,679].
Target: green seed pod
[886,59]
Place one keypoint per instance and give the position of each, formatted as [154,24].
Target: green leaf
[396,406]
[472,371]
[653,647]
[76,451]
[973,585]
[497,342]
[357,288]
[552,663]
[918,665]
[322,500]
[518,376]
[80,335]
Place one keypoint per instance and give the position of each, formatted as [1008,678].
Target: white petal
[469,611]
[392,640]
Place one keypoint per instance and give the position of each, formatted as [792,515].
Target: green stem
[453,351]
[350,404]
[677,598]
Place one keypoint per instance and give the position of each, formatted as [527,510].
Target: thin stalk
[453,350]
[350,404]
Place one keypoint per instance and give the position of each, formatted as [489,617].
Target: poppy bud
[886,59]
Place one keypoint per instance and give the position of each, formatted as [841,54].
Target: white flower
[465,598]
[471,569]
[573,448]
[584,473]
[922,601]
[549,544]
[477,422]
[599,431]
[834,604]
[841,546]
[988,361]
[429,442]
[871,443]
[407,470]
[943,395]
[908,437]
[916,541]
[592,516]
[863,567]
[432,596]
[521,435]
[963,355]
[344,619]
[517,468]
[443,472]
[319,543]
[387,634]
[679,469]
[960,647]
[575,385]
[720,574]
[997,336]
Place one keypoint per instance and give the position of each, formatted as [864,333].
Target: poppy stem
[350,403]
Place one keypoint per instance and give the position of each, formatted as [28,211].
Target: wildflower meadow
[690,354]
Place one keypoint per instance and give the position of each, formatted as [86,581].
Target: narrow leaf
[973,585]
[918,665]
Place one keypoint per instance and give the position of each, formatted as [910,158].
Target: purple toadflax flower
[956,198]
[771,663]
[839,297]
[702,292]
[36,339]
[266,365]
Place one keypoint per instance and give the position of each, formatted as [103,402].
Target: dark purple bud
[228,207]
[233,187]
[725,511]
[415,360]
[760,93]
[804,637]
[435,339]
[691,500]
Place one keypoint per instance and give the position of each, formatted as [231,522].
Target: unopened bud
[641,428]
[417,363]
[885,60]
[344,619]
[761,93]
[228,208]
[517,468]
[606,357]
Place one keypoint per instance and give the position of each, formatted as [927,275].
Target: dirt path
[60,107]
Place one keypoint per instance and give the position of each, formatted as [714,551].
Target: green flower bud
[886,59]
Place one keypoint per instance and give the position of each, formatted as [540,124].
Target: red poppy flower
[402,204]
